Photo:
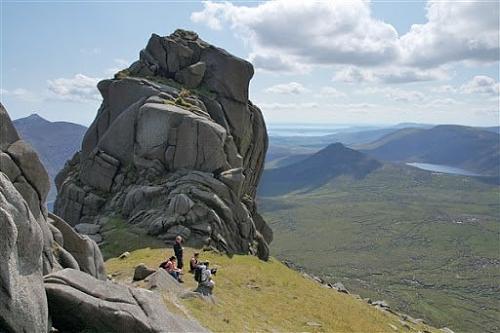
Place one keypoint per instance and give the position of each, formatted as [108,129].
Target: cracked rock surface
[50,275]
[176,148]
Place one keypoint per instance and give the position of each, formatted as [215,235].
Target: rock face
[103,306]
[32,245]
[50,275]
[177,147]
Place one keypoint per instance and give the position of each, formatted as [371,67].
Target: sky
[316,62]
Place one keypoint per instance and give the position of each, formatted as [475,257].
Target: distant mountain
[345,137]
[331,162]
[55,142]
[494,129]
[470,148]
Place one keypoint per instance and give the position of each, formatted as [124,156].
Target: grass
[425,242]
[119,237]
[256,296]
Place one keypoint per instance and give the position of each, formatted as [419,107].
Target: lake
[442,168]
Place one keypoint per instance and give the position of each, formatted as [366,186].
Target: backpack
[198,273]
[164,265]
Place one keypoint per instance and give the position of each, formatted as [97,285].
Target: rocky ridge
[176,148]
[51,277]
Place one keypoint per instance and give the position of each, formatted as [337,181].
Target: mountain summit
[55,143]
[333,161]
[176,148]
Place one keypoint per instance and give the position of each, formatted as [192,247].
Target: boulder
[381,304]
[124,255]
[32,168]
[23,304]
[8,167]
[142,271]
[233,178]
[181,204]
[82,248]
[87,228]
[191,76]
[226,74]
[163,282]
[103,306]
[8,133]
[97,238]
[339,286]
[99,171]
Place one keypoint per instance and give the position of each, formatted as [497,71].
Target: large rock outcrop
[176,147]
[32,244]
[74,295]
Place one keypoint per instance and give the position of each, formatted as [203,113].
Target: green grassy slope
[256,296]
[427,243]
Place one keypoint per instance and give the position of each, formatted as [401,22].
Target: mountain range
[470,148]
[315,170]
[55,143]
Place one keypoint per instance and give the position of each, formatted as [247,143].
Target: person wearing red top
[171,268]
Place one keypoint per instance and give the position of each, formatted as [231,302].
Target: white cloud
[439,103]
[330,92]
[287,34]
[353,106]
[481,84]
[292,88]
[285,106]
[295,36]
[389,74]
[445,89]
[395,94]
[20,93]
[406,96]
[455,31]
[80,88]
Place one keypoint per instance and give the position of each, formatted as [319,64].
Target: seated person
[205,282]
[193,262]
[171,268]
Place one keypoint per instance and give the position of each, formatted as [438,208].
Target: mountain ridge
[328,163]
[459,146]
[55,142]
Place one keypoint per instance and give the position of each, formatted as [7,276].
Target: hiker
[179,251]
[193,262]
[203,275]
[172,269]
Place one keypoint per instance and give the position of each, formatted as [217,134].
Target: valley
[425,242]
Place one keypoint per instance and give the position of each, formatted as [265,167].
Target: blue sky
[343,62]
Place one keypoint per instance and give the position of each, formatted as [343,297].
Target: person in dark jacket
[179,251]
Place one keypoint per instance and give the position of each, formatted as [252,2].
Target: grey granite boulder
[8,133]
[87,228]
[142,271]
[27,160]
[82,248]
[103,306]
[192,75]
[23,305]
[9,167]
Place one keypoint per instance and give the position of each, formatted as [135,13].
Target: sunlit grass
[256,296]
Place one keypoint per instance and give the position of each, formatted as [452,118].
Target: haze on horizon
[318,62]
